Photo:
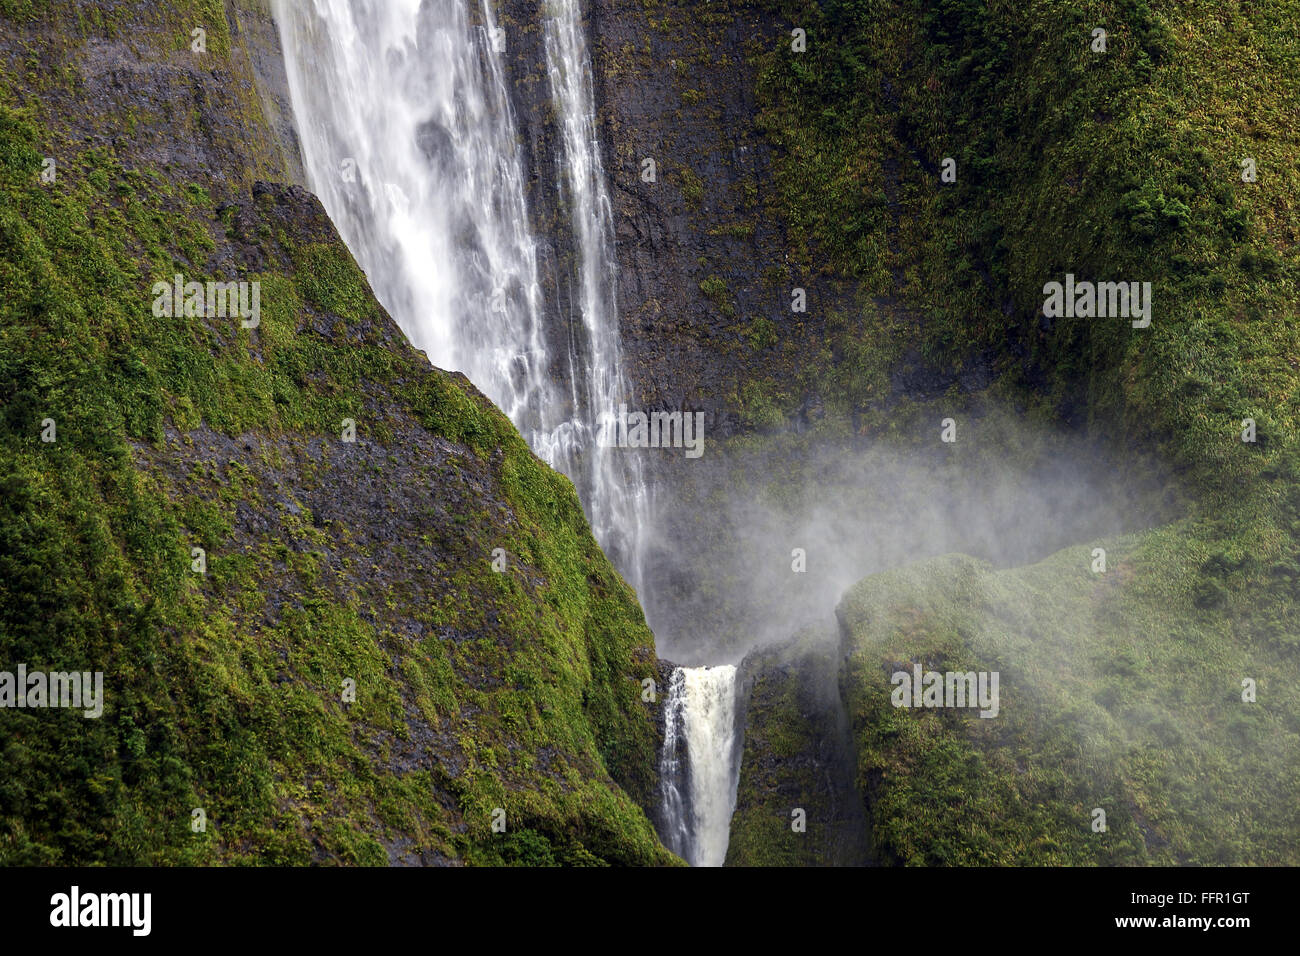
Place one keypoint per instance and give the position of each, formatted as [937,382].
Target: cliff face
[274,539]
[703,278]
[1127,684]
[797,799]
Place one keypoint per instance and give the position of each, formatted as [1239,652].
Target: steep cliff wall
[797,800]
[776,168]
[328,566]
[807,348]
[819,164]
[1128,686]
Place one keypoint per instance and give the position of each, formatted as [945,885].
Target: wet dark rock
[436,143]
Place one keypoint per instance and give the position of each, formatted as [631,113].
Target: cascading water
[697,771]
[619,500]
[409,140]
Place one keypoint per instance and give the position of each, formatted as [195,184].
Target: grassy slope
[476,690]
[1120,690]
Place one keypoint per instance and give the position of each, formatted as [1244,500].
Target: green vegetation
[326,561]
[715,287]
[520,690]
[1124,165]
[692,187]
[1121,690]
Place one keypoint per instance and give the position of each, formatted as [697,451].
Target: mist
[728,529]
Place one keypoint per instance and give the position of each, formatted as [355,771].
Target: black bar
[876,907]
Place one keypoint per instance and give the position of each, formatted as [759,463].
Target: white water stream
[408,138]
[699,794]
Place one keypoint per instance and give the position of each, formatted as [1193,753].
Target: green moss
[1119,690]
[715,287]
[224,690]
[1045,134]
[692,187]
[761,333]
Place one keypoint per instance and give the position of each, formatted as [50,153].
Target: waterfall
[697,771]
[619,500]
[409,139]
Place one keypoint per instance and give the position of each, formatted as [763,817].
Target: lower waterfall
[698,771]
